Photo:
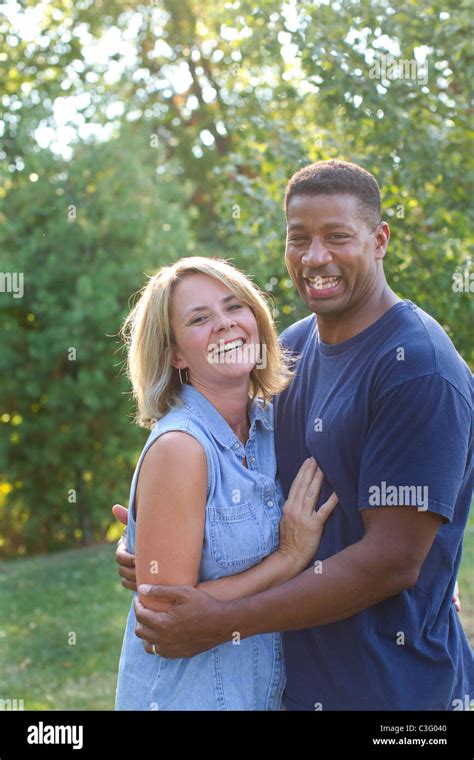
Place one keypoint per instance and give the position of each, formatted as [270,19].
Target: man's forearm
[337,588]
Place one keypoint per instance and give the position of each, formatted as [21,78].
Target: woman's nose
[225,322]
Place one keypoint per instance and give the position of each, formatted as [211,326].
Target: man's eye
[339,237]
[297,239]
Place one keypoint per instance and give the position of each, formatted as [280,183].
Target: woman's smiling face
[207,318]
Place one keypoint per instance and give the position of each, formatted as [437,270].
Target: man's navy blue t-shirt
[388,417]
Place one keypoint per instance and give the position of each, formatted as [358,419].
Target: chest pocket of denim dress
[236,537]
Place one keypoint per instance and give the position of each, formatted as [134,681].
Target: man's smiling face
[332,254]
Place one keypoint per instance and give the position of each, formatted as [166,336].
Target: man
[382,400]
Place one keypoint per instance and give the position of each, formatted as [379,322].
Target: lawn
[50,602]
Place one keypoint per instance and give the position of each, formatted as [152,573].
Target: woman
[205,504]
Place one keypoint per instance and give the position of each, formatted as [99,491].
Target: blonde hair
[149,338]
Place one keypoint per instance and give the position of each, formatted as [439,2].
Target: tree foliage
[187,119]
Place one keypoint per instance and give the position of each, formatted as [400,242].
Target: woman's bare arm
[171,508]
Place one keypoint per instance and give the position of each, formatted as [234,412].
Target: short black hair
[336,177]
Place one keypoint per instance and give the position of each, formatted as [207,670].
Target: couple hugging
[270,571]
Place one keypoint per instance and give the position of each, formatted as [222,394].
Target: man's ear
[382,236]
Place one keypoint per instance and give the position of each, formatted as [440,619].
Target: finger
[301,482]
[148,647]
[130,585]
[149,619]
[164,593]
[120,513]
[313,490]
[128,573]
[146,634]
[123,557]
[327,508]
[297,478]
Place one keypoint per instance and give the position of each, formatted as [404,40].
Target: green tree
[83,234]
[188,123]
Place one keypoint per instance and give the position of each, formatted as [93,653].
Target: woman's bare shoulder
[173,463]
[173,449]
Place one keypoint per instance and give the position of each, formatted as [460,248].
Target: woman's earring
[181,378]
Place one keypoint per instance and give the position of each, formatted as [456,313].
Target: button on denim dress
[243,512]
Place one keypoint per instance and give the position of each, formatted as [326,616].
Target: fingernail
[144,588]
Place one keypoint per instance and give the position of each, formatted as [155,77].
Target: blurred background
[132,134]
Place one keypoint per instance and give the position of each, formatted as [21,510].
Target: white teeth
[230,346]
[323,283]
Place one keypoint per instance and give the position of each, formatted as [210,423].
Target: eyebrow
[203,308]
[326,226]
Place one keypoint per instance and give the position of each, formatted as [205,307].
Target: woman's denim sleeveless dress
[243,512]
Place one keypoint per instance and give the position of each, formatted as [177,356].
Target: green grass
[45,598]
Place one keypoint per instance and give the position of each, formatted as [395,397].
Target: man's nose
[317,254]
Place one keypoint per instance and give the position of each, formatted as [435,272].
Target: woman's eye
[203,317]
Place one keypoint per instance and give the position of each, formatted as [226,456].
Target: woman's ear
[177,361]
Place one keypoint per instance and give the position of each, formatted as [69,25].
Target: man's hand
[125,561]
[193,624]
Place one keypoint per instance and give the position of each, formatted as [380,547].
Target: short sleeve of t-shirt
[416,447]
